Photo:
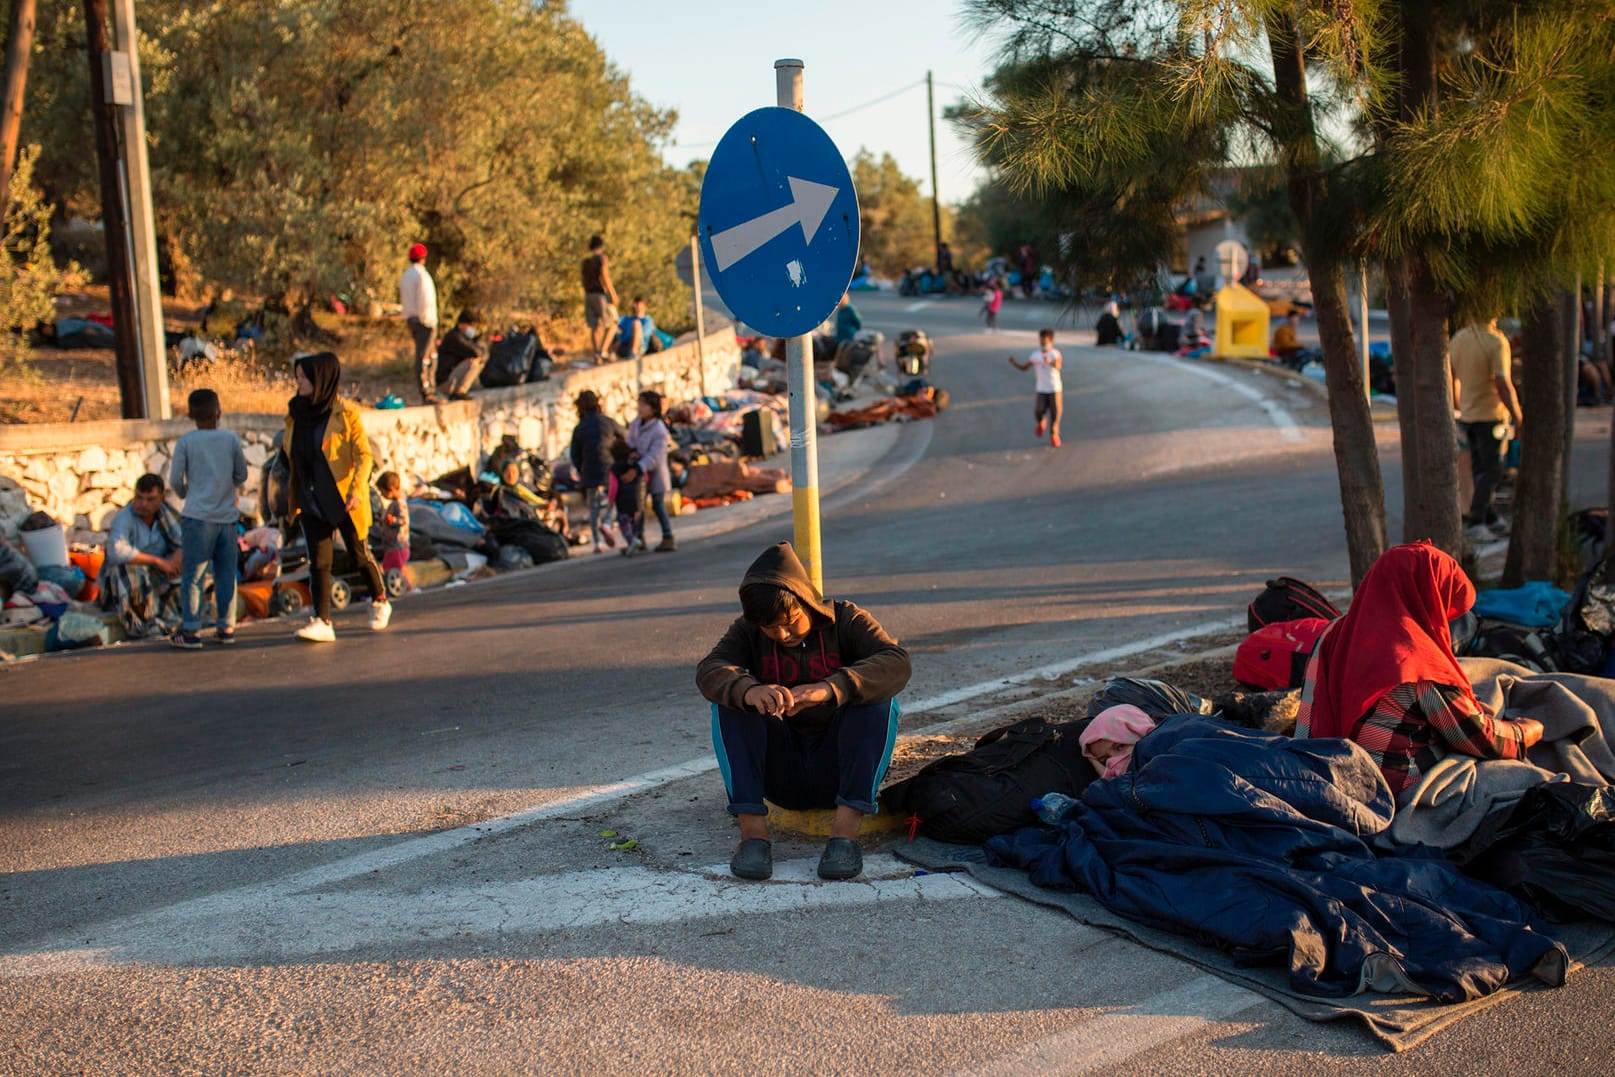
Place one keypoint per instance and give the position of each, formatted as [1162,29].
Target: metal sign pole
[802,395]
[700,319]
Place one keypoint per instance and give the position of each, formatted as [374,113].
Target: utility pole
[150,339]
[113,225]
[19,46]
[802,395]
[936,197]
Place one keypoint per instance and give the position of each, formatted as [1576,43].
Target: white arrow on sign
[809,203]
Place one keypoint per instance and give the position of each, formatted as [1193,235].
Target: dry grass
[377,359]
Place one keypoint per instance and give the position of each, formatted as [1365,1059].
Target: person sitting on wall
[636,332]
[803,710]
[460,357]
[140,575]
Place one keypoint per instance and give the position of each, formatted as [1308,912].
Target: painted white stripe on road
[295,927]
[1059,669]
[1111,1039]
[921,305]
[1288,429]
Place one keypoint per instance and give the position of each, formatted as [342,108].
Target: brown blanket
[727,476]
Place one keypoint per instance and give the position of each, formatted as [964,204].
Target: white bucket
[47,546]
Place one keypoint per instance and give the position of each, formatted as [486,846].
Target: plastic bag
[1556,849]
[460,516]
[1157,699]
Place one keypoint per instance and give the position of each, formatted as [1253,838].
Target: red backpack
[1275,657]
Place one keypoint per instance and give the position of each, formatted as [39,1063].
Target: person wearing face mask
[460,357]
[330,463]
[803,710]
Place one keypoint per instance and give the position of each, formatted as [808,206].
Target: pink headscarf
[1123,724]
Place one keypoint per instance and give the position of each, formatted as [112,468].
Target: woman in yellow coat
[330,488]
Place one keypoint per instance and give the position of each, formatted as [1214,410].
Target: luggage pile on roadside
[48,587]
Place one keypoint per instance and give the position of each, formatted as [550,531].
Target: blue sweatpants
[208,546]
[842,764]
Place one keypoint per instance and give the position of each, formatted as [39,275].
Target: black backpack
[1288,599]
[989,790]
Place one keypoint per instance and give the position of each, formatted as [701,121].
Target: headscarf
[324,371]
[1124,724]
[1396,632]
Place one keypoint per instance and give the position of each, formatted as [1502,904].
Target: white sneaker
[317,631]
[381,614]
[1479,534]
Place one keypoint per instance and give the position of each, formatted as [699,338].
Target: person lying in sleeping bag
[1385,676]
[803,710]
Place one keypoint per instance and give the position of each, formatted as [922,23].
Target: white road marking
[1112,1038]
[298,926]
[1288,429]
[921,305]
[1059,669]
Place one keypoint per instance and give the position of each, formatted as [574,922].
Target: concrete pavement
[387,856]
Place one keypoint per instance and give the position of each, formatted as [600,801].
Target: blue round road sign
[779,222]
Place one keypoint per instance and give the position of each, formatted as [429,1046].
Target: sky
[713,61]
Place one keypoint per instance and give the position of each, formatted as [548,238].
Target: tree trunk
[1362,494]
[1398,306]
[1440,517]
[114,225]
[1533,551]
[19,46]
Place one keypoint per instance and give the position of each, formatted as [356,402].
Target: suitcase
[758,436]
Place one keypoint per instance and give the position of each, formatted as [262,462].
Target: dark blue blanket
[1259,844]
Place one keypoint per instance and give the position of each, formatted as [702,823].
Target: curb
[906,447]
[1381,408]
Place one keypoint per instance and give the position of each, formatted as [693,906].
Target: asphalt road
[385,855]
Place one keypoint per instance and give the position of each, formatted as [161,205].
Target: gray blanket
[1577,715]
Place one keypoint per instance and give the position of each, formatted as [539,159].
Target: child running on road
[992,301]
[1046,361]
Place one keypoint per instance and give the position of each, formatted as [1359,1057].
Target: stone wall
[82,473]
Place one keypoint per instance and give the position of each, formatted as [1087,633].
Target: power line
[871,103]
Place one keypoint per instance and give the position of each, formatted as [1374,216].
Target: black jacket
[455,348]
[847,649]
[591,448]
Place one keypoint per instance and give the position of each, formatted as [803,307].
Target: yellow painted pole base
[816,823]
[805,515]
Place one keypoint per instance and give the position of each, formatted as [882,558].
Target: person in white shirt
[1046,362]
[418,296]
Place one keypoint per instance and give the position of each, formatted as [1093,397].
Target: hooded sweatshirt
[846,649]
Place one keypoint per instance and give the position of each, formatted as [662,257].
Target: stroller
[914,353]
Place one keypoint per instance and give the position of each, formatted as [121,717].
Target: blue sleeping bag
[1259,844]
[1534,605]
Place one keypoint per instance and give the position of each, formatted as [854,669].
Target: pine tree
[1122,112]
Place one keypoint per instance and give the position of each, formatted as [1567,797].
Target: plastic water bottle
[1051,806]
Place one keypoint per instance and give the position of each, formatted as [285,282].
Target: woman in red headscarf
[1385,675]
